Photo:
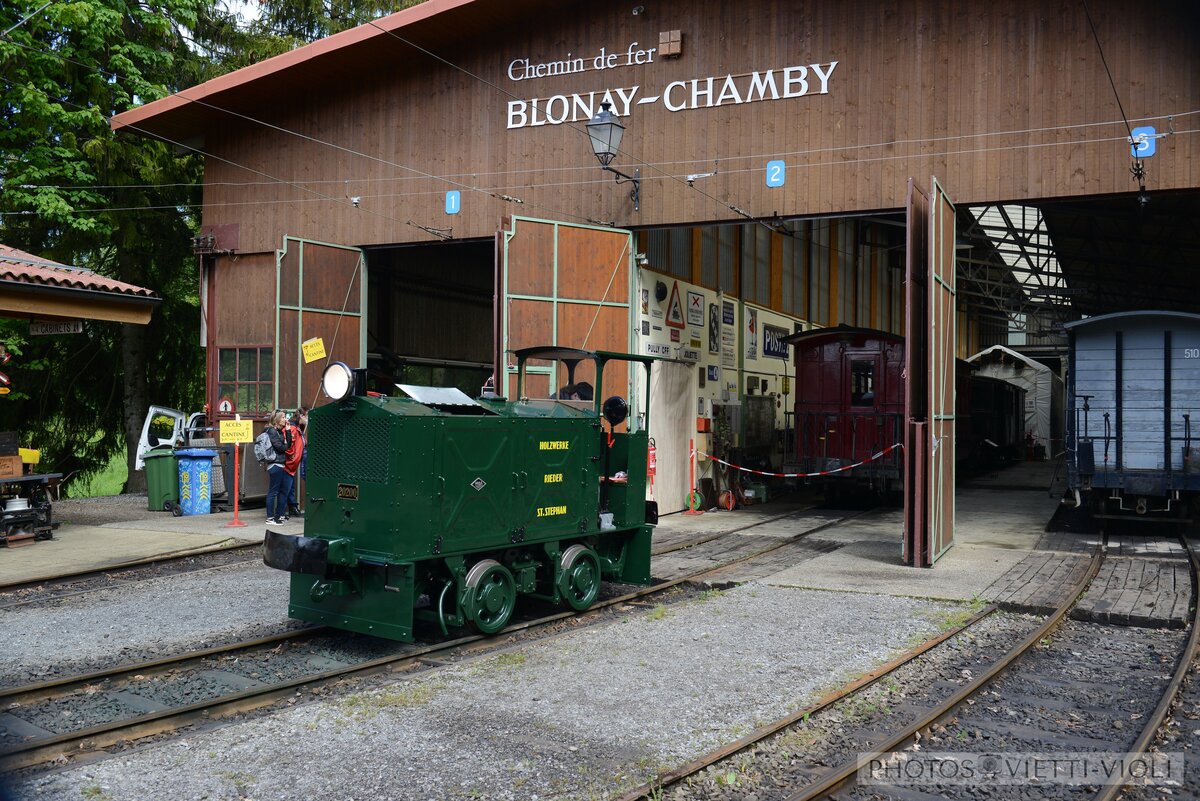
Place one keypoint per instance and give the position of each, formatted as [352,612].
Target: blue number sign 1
[776,173]
[453,201]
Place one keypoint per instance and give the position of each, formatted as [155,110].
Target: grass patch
[368,705]
[510,660]
[108,481]
[657,613]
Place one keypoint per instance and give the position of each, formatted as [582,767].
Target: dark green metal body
[404,499]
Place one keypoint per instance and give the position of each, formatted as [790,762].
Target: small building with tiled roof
[40,289]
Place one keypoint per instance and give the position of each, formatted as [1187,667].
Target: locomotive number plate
[347,492]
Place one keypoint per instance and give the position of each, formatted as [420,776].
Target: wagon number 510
[1191,353]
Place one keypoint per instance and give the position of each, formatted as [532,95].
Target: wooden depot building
[420,192]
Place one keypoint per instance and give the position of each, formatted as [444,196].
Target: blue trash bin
[195,480]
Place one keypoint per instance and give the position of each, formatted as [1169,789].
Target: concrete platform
[77,549]
[994,531]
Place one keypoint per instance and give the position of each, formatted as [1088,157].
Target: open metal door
[930,337]
[321,293]
[561,284]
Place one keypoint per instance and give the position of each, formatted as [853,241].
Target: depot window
[862,384]
[245,377]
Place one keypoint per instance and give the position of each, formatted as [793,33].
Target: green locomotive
[441,508]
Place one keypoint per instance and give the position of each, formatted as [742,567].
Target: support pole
[694,500]
[237,472]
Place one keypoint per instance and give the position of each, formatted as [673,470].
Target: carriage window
[862,383]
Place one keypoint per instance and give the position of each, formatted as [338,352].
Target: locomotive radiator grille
[352,449]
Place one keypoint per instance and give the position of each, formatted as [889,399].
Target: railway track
[62,585]
[81,716]
[1026,699]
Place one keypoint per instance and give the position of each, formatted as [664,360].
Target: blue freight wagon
[1133,395]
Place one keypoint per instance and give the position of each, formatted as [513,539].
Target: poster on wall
[714,329]
[714,373]
[727,312]
[645,301]
[695,308]
[751,333]
[728,342]
[773,345]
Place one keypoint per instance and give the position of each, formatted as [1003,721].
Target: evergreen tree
[123,205]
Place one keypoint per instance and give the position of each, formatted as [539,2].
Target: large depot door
[930,367]
[567,285]
[322,293]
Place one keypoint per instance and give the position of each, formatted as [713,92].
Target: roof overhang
[440,27]
[38,302]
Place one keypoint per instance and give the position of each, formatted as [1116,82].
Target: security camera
[638,10]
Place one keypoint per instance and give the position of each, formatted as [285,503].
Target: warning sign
[675,309]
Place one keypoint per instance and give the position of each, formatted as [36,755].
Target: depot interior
[1022,271]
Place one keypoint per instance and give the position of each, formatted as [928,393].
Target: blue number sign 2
[776,173]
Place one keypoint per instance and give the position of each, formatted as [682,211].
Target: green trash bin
[162,480]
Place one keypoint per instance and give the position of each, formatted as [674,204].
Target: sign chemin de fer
[708,92]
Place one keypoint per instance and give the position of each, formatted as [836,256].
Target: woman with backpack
[279,484]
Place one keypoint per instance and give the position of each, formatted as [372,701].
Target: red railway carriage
[849,405]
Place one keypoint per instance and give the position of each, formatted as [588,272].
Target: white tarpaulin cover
[672,424]
[1043,392]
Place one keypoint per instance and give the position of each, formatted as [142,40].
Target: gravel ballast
[573,717]
[143,620]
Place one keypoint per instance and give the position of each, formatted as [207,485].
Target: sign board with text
[43,328]
[314,350]
[233,431]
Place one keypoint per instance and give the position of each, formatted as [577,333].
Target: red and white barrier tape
[879,455]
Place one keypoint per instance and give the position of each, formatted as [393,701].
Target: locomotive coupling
[312,555]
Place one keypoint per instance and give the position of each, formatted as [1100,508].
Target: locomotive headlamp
[337,381]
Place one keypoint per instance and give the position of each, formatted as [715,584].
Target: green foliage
[125,206]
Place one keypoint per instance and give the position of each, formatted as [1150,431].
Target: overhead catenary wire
[737,210]
[114,75]
[663,164]
[26,18]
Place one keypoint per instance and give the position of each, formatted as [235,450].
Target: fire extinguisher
[651,460]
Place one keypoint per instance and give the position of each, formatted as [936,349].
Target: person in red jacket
[295,457]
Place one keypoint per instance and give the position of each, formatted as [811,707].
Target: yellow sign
[314,350]
[237,431]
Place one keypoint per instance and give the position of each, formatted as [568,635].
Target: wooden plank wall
[1002,101]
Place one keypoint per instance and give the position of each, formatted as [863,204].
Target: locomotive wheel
[579,581]
[491,596]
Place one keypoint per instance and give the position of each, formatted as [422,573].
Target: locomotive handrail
[571,358]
